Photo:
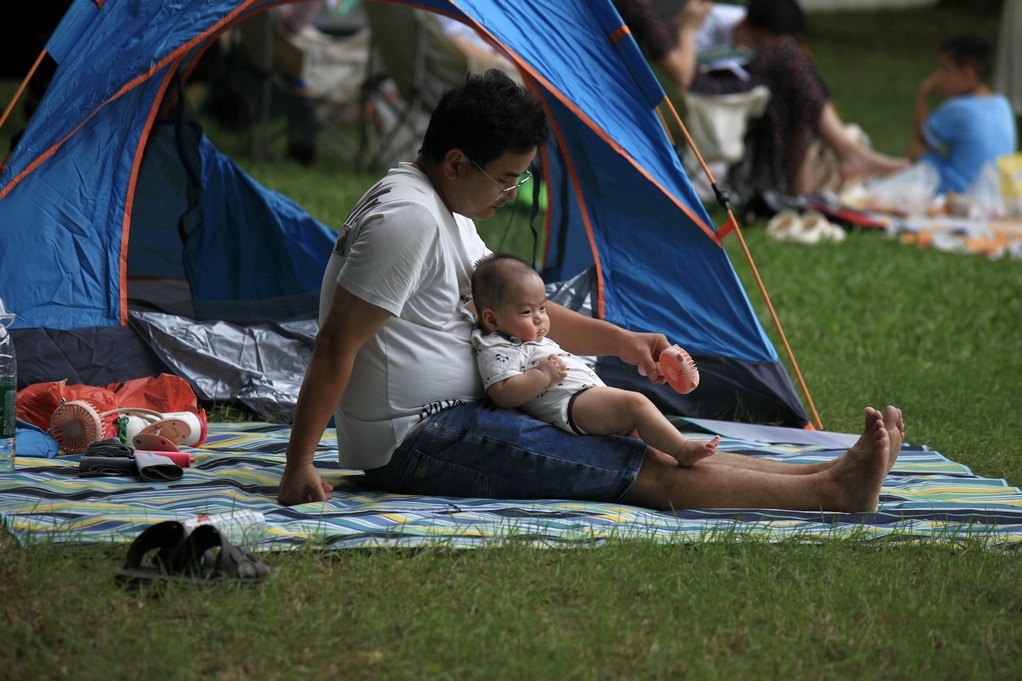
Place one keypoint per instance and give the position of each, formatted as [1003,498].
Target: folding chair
[411,64]
[318,77]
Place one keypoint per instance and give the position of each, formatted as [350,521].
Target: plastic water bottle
[8,390]
[239,527]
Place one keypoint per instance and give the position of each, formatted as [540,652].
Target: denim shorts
[479,450]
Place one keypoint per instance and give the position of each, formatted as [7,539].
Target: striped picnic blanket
[926,498]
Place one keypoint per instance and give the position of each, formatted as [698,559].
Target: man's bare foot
[696,450]
[865,162]
[858,473]
[895,426]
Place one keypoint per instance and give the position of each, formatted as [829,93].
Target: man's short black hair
[486,117]
[971,50]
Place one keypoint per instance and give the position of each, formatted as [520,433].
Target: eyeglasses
[503,189]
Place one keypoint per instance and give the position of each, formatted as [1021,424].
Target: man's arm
[349,323]
[584,335]
[921,112]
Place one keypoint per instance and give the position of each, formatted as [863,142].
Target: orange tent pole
[732,226]
[16,97]
[24,84]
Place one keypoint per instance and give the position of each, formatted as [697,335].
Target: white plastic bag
[910,191]
[984,195]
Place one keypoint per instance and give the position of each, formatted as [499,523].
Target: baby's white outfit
[500,357]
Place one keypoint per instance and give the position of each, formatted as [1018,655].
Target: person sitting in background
[674,42]
[972,126]
[800,106]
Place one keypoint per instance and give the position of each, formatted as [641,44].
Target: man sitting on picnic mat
[393,357]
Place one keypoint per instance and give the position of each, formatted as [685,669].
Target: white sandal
[816,228]
[784,226]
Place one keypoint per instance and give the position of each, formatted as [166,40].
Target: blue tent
[621,206]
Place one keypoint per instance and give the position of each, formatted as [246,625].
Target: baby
[522,368]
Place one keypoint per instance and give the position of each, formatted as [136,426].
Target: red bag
[37,402]
[165,394]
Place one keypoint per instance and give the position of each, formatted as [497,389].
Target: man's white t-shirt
[401,249]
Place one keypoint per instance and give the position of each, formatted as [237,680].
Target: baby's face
[524,313]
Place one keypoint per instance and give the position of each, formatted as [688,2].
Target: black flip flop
[206,557]
[152,554]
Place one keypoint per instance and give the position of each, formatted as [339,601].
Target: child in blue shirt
[974,125]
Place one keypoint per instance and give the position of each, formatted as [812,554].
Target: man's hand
[302,484]
[642,349]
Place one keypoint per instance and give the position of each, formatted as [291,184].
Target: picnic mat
[990,238]
[926,498]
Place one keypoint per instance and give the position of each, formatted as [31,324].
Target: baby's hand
[553,367]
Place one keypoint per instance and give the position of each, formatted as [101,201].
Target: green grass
[626,610]
[871,321]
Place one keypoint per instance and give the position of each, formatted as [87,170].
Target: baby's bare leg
[604,410]
[696,450]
